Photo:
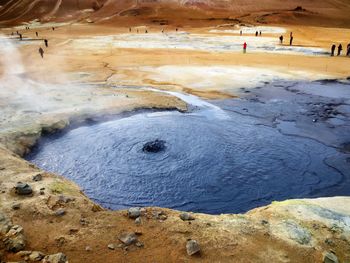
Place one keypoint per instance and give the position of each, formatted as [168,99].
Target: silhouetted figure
[46,43]
[348,50]
[176,29]
[36,33]
[53,29]
[281,39]
[340,48]
[291,39]
[240,33]
[333,50]
[129,29]
[146,31]
[41,52]
[256,33]
[17,33]
[245,47]
[20,37]
[260,33]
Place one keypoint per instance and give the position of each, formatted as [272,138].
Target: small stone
[23,189]
[24,253]
[138,221]
[88,248]
[128,238]
[330,257]
[60,212]
[16,206]
[41,192]
[65,199]
[55,258]
[111,246]
[36,256]
[186,217]
[139,244]
[37,178]
[134,212]
[264,222]
[192,247]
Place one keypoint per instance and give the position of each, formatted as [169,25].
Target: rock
[24,253]
[154,146]
[159,215]
[60,212]
[65,199]
[16,206]
[36,256]
[139,244]
[128,238]
[111,246]
[186,217]
[134,212]
[14,239]
[37,178]
[330,257]
[138,221]
[192,247]
[23,189]
[55,258]
[88,248]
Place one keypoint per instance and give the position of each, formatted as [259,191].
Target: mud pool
[279,141]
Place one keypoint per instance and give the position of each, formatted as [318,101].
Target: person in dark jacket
[340,49]
[41,52]
[333,50]
[281,39]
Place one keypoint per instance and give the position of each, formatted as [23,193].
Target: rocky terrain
[84,78]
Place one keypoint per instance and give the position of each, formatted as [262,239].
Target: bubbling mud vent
[279,141]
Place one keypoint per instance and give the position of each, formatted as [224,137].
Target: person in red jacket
[245,47]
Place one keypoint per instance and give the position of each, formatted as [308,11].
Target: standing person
[245,47]
[46,43]
[41,52]
[333,50]
[260,33]
[281,39]
[177,29]
[256,33]
[53,29]
[348,50]
[146,31]
[340,48]
[291,39]
[36,33]
[129,29]
[240,33]
[20,36]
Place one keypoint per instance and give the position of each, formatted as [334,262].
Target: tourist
[36,33]
[348,50]
[46,43]
[281,39]
[41,52]
[146,31]
[333,50]
[260,33]
[291,39]
[240,33]
[340,48]
[177,29]
[20,37]
[256,33]
[53,29]
[245,47]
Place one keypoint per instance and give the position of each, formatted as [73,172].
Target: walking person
[36,33]
[291,39]
[333,50]
[41,52]
[245,47]
[20,37]
[340,48]
[348,50]
[46,43]
[256,33]
[281,39]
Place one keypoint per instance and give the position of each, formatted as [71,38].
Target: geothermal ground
[113,117]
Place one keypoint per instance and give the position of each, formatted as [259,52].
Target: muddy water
[279,141]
